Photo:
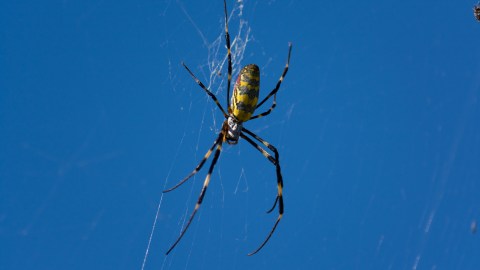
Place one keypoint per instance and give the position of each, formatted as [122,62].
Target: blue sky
[376,124]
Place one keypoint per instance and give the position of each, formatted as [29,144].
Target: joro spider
[243,104]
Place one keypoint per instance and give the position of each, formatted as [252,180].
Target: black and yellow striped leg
[275,90]
[275,161]
[202,193]
[229,55]
[270,158]
[199,166]
[206,90]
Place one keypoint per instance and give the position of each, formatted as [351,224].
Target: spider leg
[206,90]
[275,161]
[202,193]
[270,158]
[275,90]
[229,54]
[199,166]
[267,155]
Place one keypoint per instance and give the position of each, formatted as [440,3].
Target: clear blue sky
[377,125]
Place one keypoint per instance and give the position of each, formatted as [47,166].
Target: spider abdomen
[245,93]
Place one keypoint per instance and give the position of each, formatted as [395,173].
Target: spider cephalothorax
[233,129]
[243,104]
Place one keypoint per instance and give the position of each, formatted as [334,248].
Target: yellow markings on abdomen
[245,93]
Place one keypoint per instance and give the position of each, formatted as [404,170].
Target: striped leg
[199,166]
[275,161]
[206,90]
[275,90]
[229,55]
[202,193]
[270,158]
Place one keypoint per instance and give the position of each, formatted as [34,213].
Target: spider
[243,104]
[476,11]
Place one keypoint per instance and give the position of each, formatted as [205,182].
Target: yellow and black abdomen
[245,93]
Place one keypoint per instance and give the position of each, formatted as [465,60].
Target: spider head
[234,127]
